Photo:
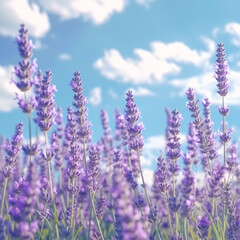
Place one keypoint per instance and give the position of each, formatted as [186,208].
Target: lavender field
[57,183]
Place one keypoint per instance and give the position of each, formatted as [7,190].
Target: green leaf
[191,233]
[166,236]
[78,232]
[45,233]
[214,226]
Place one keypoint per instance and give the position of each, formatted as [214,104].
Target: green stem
[30,135]
[72,222]
[60,183]
[51,189]
[84,154]
[95,214]
[185,228]
[176,214]
[45,205]
[4,194]
[224,157]
[169,216]
[89,222]
[146,194]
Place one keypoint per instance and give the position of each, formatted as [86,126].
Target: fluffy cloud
[64,56]
[95,96]
[141,91]
[152,66]
[96,10]
[233,29]
[205,85]
[153,146]
[7,91]
[14,12]
[148,175]
[112,93]
[144,2]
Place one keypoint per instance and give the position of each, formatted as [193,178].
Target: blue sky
[157,48]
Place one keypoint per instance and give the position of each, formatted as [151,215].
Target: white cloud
[152,66]
[144,2]
[112,93]
[205,85]
[97,11]
[180,52]
[233,29]
[15,12]
[7,90]
[64,56]
[215,31]
[154,146]
[141,91]
[148,175]
[95,96]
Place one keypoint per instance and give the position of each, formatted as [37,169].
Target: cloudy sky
[156,48]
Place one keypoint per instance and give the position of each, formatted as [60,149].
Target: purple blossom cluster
[69,187]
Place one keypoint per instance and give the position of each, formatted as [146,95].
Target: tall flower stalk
[83,126]
[173,154]
[24,71]
[221,72]
[12,149]
[45,120]
[132,115]
[223,85]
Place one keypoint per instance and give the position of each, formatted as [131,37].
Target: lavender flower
[93,168]
[161,177]
[188,193]
[27,106]
[233,213]
[134,129]
[232,158]
[221,71]
[45,113]
[224,111]
[101,204]
[79,103]
[203,225]
[24,206]
[225,136]
[127,224]
[173,143]
[12,149]
[26,67]
[74,156]
[31,150]
[215,181]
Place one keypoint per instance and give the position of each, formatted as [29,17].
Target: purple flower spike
[127,223]
[161,178]
[79,103]
[225,137]
[31,150]
[26,68]
[134,129]
[101,204]
[174,204]
[27,106]
[130,178]
[224,111]
[232,158]
[173,142]
[221,71]
[203,225]
[12,149]
[93,169]
[46,110]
